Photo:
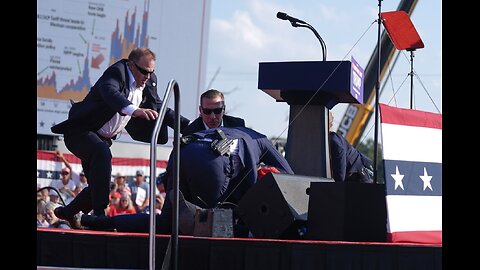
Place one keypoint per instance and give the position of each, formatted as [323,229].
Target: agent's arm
[338,157]
[271,157]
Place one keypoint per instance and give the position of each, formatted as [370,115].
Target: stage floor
[93,249]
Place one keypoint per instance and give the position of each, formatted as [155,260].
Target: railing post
[153,172]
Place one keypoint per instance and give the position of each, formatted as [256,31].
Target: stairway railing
[173,244]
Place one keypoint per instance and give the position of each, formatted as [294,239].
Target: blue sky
[244,33]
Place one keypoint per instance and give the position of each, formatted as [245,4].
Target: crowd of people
[123,195]
[219,156]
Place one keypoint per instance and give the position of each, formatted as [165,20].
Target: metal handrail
[153,168]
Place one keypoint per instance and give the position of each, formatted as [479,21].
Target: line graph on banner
[77,40]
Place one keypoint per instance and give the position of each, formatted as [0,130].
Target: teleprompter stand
[404,36]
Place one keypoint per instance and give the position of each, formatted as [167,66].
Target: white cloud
[250,34]
[221,26]
[240,30]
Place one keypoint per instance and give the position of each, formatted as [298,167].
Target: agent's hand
[148,114]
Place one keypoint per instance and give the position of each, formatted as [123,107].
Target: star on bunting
[398,178]
[426,179]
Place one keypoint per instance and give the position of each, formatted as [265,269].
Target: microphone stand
[377,94]
[322,43]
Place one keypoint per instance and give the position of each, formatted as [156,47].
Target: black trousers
[94,152]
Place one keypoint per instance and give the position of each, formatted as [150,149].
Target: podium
[309,87]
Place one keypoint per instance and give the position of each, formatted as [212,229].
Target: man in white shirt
[126,91]
[65,185]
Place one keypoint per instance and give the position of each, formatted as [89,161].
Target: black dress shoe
[59,212]
[74,221]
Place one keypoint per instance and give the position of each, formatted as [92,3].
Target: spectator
[122,188]
[41,214]
[114,202]
[120,185]
[44,195]
[52,219]
[81,183]
[73,174]
[65,186]
[124,207]
[160,184]
[53,196]
[160,200]
[140,192]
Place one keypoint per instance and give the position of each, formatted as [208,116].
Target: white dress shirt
[118,122]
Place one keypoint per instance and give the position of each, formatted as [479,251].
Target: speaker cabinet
[277,206]
[347,211]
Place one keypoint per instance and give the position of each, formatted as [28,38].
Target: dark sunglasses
[142,70]
[215,111]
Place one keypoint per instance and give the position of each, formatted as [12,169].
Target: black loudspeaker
[277,206]
[347,211]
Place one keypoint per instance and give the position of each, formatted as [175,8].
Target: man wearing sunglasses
[212,114]
[125,96]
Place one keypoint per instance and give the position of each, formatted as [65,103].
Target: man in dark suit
[212,114]
[125,96]
[207,178]
[348,164]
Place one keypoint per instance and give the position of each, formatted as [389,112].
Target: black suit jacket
[227,121]
[254,148]
[107,97]
[346,160]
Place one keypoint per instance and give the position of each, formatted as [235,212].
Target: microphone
[284,16]
[295,23]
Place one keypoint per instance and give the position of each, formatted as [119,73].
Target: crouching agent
[217,167]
